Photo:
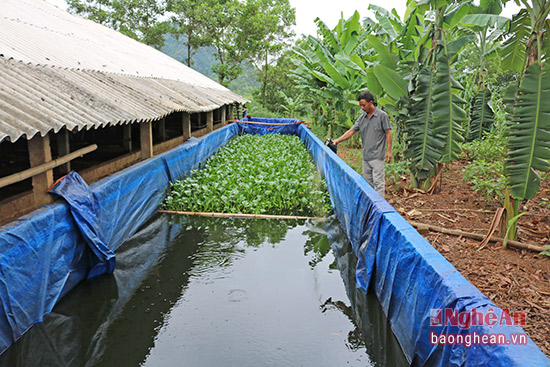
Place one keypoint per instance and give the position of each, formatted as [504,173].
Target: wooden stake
[146,138]
[210,121]
[240,215]
[40,153]
[223,110]
[186,121]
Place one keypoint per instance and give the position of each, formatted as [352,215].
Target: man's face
[366,106]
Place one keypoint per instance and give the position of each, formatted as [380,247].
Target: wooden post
[146,138]
[231,115]
[63,148]
[223,108]
[162,129]
[40,153]
[186,121]
[127,137]
[210,121]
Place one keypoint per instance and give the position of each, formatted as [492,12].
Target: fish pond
[195,291]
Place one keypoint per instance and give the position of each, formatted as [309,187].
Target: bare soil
[515,279]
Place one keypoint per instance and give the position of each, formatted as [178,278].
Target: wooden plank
[210,121]
[97,172]
[186,121]
[167,145]
[16,206]
[146,138]
[40,153]
[199,133]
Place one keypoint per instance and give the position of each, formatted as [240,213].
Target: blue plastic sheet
[43,255]
[409,277]
[84,209]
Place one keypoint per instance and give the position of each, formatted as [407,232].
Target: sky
[330,11]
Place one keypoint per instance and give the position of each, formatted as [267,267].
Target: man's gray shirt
[373,134]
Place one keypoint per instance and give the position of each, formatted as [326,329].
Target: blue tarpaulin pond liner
[44,254]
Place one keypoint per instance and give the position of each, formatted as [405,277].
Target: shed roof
[60,70]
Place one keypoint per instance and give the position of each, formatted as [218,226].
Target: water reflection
[121,320]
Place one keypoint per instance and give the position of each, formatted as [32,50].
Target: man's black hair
[367,96]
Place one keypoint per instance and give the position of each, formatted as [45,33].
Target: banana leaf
[423,147]
[529,133]
[373,84]
[327,34]
[448,116]
[335,76]
[386,58]
[513,49]
[481,115]
[391,81]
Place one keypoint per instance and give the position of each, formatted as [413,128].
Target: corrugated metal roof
[57,70]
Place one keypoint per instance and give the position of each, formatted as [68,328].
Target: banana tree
[487,28]
[331,70]
[435,128]
[529,117]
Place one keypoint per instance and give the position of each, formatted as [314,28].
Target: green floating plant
[269,174]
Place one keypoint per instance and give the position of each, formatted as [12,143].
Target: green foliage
[544,203]
[485,172]
[396,171]
[491,148]
[271,174]
[487,178]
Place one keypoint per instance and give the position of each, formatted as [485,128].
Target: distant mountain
[203,60]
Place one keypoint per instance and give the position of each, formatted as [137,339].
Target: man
[376,138]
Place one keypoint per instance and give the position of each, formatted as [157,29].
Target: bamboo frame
[28,173]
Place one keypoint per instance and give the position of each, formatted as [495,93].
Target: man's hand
[388,158]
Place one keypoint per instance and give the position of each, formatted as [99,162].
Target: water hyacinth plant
[269,174]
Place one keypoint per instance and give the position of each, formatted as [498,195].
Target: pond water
[191,291]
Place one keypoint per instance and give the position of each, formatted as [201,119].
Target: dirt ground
[515,279]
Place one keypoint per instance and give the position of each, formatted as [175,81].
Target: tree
[487,28]
[248,30]
[273,24]
[435,128]
[187,21]
[100,11]
[138,19]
